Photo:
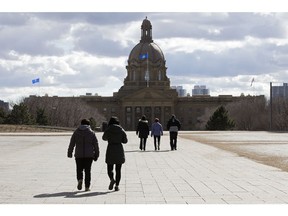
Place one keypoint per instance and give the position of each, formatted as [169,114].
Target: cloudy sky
[78,52]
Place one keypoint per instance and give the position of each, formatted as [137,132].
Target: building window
[128,120]
[134,75]
[147,109]
[138,110]
[157,110]
[128,109]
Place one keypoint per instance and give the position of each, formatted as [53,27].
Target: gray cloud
[90,50]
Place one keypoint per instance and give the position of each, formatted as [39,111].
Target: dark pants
[173,140]
[111,174]
[84,164]
[157,140]
[143,143]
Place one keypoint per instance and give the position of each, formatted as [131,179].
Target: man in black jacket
[143,132]
[86,151]
[173,126]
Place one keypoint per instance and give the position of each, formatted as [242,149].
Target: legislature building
[146,91]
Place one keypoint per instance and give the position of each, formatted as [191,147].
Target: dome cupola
[146,31]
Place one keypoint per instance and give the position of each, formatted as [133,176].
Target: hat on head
[113,120]
[85,122]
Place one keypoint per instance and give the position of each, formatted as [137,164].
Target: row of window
[146,76]
[138,109]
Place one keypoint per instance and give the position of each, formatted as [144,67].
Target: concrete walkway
[34,169]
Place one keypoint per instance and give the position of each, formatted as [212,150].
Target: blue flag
[35,80]
[143,56]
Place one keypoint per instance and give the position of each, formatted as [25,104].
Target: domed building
[146,91]
[146,64]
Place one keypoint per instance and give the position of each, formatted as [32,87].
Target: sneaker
[117,188]
[112,182]
[87,189]
[79,186]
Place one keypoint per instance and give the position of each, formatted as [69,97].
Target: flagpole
[147,71]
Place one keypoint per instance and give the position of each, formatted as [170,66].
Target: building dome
[146,46]
[146,65]
[155,54]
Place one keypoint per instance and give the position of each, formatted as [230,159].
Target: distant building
[181,92]
[280,91]
[200,90]
[146,91]
[4,105]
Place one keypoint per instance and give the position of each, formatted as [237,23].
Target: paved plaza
[35,170]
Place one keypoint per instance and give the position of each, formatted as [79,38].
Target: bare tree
[202,120]
[250,113]
[280,114]
[64,111]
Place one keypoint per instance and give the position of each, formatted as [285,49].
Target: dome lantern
[146,31]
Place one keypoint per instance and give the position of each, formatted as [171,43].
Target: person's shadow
[74,194]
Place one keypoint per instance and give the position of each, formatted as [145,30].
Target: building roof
[146,46]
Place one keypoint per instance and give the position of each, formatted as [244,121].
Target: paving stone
[35,170]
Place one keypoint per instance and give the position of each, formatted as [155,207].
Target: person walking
[157,132]
[86,150]
[173,126]
[143,132]
[115,135]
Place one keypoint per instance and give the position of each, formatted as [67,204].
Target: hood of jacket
[115,134]
[85,141]
[83,129]
[114,128]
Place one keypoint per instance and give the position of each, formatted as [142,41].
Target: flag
[35,80]
[143,56]
[252,81]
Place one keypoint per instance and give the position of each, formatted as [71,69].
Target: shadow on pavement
[75,194]
[130,151]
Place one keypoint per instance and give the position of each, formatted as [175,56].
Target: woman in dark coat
[143,132]
[115,135]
